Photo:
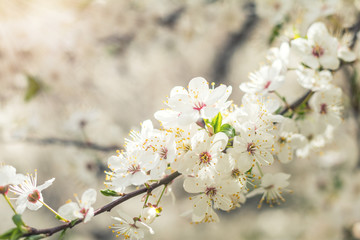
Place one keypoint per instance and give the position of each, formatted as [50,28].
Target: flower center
[210,192]
[134,168]
[83,211]
[251,147]
[205,158]
[4,189]
[34,196]
[163,152]
[317,51]
[269,187]
[323,108]
[198,106]
[282,140]
[235,173]
[267,84]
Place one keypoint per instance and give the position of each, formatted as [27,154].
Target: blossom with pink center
[272,187]
[319,49]
[267,79]
[130,168]
[250,148]
[205,152]
[29,195]
[132,229]
[82,209]
[327,106]
[213,193]
[199,101]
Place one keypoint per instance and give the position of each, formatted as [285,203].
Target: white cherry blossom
[130,169]
[29,194]
[213,192]
[327,106]
[318,49]
[313,79]
[199,101]
[129,228]
[205,152]
[250,148]
[82,209]
[267,79]
[271,188]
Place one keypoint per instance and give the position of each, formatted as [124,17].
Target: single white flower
[131,229]
[213,192]
[313,79]
[318,49]
[29,195]
[158,142]
[271,188]
[139,139]
[130,169]
[82,209]
[250,148]
[199,101]
[267,79]
[327,106]
[205,152]
[256,114]
[9,177]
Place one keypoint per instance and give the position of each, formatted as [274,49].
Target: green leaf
[16,234]
[73,222]
[228,130]
[275,32]
[18,221]
[216,123]
[8,234]
[62,234]
[33,88]
[36,237]
[110,193]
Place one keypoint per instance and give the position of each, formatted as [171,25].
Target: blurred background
[77,75]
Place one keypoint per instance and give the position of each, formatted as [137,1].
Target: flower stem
[259,168]
[56,213]
[162,193]
[147,197]
[281,98]
[10,204]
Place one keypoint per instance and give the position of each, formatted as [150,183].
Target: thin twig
[107,208]
[296,103]
[71,142]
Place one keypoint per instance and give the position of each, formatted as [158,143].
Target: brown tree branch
[107,208]
[234,41]
[71,142]
[297,103]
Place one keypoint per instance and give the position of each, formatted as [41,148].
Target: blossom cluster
[223,150]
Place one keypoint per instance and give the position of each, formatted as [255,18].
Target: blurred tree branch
[235,40]
[71,142]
